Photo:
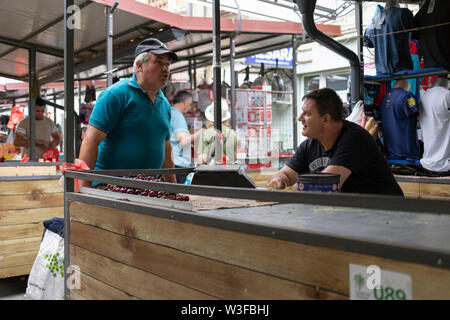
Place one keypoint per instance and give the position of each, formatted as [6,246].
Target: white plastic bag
[358,116]
[46,280]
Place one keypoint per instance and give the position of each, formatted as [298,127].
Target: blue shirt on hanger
[399,125]
[392,55]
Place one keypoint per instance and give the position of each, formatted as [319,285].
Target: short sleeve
[299,161]
[21,128]
[178,123]
[410,107]
[107,112]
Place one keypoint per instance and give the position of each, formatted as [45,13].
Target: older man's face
[155,72]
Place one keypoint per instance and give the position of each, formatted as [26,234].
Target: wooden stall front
[29,194]
[129,250]
[412,186]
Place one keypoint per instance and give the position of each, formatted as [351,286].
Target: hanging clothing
[392,55]
[434,43]
[434,121]
[399,125]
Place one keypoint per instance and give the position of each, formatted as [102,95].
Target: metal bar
[32,102]
[29,178]
[68,133]
[217,78]
[29,164]
[328,240]
[55,105]
[233,82]
[109,42]
[28,45]
[294,92]
[43,28]
[339,199]
[360,43]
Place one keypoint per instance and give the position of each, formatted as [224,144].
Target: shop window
[312,83]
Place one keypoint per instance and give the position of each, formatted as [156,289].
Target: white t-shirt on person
[43,131]
[434,118]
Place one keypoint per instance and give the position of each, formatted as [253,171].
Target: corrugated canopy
[39,24]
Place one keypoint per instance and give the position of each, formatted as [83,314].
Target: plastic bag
[46,280]
[17,114]
[51,154]
[358,116]
[78,165]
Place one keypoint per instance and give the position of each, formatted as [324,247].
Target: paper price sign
[373,283]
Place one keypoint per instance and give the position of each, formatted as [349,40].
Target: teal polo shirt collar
[132,82]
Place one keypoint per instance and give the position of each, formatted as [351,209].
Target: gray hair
[142,58]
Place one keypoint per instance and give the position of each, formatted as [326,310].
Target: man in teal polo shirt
[129,127]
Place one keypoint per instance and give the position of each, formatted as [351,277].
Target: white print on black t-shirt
[322,162]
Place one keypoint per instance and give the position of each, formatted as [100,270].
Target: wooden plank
[15,271]
[20,245]
[434,191]
[36,215]
[29,187]
[76,296]
[215,278]
[410,189]
[21,231]
[37,200]
[316,266]
[28,171]
[17,259]
[92,289]
[133,281]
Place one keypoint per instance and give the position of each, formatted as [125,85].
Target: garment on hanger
[392,55]
[399,122]
[414,82]
[434,42]
[434,121]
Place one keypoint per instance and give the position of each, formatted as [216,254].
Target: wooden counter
[29,194]
[129,250]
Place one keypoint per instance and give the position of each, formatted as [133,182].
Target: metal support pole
[32,102]
[109,42]
[360,43]
[69,148]
[233,82]
[195,75]
[217,77]
[190,73]
[294,90]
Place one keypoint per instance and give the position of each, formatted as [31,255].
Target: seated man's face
[40,110]
[311,119]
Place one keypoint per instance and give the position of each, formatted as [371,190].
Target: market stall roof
[38,24]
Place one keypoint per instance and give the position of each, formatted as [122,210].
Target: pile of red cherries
[148,192]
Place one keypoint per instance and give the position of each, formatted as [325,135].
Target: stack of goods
[148,192]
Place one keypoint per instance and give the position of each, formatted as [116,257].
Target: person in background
[129,127]
[335,145]
[180,138]
[46,132]
[206,150]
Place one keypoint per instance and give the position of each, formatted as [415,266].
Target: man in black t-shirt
[335,145]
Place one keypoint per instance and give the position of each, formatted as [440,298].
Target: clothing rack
[426,72]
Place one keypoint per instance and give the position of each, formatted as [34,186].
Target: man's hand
[284,178]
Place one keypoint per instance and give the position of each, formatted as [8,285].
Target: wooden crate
[420,189]
[127,255]
[24,205]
